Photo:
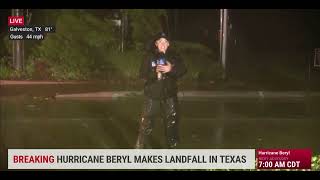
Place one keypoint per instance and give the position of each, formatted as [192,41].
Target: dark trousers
[168,109]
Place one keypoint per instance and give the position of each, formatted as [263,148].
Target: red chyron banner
[284,158]
[15,20]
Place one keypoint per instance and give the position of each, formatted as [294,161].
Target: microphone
[160,61]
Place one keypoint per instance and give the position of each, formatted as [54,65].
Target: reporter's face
[162,45]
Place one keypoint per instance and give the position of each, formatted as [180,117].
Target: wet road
[28,122]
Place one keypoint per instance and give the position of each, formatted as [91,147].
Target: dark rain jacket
[166,87]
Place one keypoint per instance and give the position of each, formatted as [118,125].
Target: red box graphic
[15,20]
[284,158]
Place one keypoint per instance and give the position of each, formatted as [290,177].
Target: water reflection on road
[28,122]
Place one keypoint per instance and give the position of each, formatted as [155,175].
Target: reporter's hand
[164,68]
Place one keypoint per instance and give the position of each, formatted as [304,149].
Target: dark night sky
[292,29]
[257,28]
[265,38]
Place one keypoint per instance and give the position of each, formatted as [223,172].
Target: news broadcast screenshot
[160,89]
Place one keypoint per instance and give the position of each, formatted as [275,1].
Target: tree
[18,47]
[144,24]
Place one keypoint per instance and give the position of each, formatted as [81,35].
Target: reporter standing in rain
[160,71]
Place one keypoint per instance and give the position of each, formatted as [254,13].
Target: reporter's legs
[146,122]
[170,115]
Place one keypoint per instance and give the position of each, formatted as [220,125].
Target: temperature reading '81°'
[48,29]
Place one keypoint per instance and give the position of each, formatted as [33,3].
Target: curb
[193,94]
